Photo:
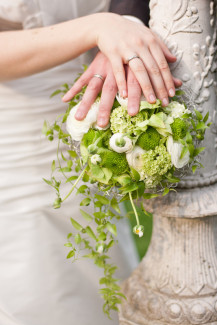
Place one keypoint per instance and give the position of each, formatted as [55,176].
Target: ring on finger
[97,75]
[135,56]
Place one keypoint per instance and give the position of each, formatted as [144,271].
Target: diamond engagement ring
[135,56]
[98,76]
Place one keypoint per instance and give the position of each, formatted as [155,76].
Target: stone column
[176,283]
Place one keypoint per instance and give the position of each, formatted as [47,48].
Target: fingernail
[152,98]
[79,116]
[66,96]
[132,111]
[101,122]
[165,101]
[124,93]
[172,92]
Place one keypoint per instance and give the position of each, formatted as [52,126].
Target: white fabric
[38,286]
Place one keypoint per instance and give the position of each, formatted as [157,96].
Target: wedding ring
[135,56]
[98,76]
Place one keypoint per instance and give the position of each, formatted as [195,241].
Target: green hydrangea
[90,137]
[122,122]
[149,139]
[114,161]
[156,162]
[179,129]
[152,181]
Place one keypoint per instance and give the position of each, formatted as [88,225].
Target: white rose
[78,128]
[175,149]
[120,143]
[177,109]
[134,158]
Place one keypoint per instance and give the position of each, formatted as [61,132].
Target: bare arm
[30,51]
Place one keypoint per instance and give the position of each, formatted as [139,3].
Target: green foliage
[114,161]
[179,128]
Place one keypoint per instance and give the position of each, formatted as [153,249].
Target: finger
[134,93]
[120,77]
[155,77]
[141,75]
[90,95]
[109,92]
[168,54]
[163,68]
[177,82]
[78,85]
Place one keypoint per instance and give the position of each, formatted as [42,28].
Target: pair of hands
[149,74]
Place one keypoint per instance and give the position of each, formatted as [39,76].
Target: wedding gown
[38,285]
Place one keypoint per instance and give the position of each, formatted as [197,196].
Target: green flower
[156,162]
[114,161]
[122,122]
[149,139]
[179,129]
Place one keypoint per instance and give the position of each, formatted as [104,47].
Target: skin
[30,51]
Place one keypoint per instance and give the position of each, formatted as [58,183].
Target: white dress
[38,285]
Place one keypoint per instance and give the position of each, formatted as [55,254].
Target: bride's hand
[102,66]
[120,39]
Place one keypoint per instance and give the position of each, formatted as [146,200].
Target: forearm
[137,8]
[30,51]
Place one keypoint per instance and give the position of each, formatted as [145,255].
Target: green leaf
[188,138]
[184,152]
[123,179]
[141,188]
[68,244]
[56,92]
[53,166]
[111,228]
[102,236]
[156,121]
[115,205]
[129,188]
[173,179]
[82,189]
[166,191]
[199,115]
[76,225]
[77,239]
[72,154]
[90,233]
[197,151]
[69,163]
[86,215]
[201,126]
[146,105]
[205,119]
[96,172]
[102,199]
[47,181]
[85,202]
[148,196]
[194,168]
[72,178]
[65,170]
[71,254]
[135,174]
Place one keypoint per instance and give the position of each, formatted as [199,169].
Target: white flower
[124,101]
[76,128]
[95,159]
[134,158]
[100,248]
[175,149]
[139,230]
[120,143]
[177,109]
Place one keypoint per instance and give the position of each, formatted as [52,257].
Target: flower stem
[74,185]
[134,209]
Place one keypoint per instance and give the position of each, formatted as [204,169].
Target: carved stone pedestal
[176,283]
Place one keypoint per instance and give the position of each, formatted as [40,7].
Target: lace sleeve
[137,8]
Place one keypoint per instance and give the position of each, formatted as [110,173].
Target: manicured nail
[165,101]
[79,116]
[152,98]
[66,96]
[124,94]
[132,111]
[172,92]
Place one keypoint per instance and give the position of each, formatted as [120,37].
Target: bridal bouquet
[132,158]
